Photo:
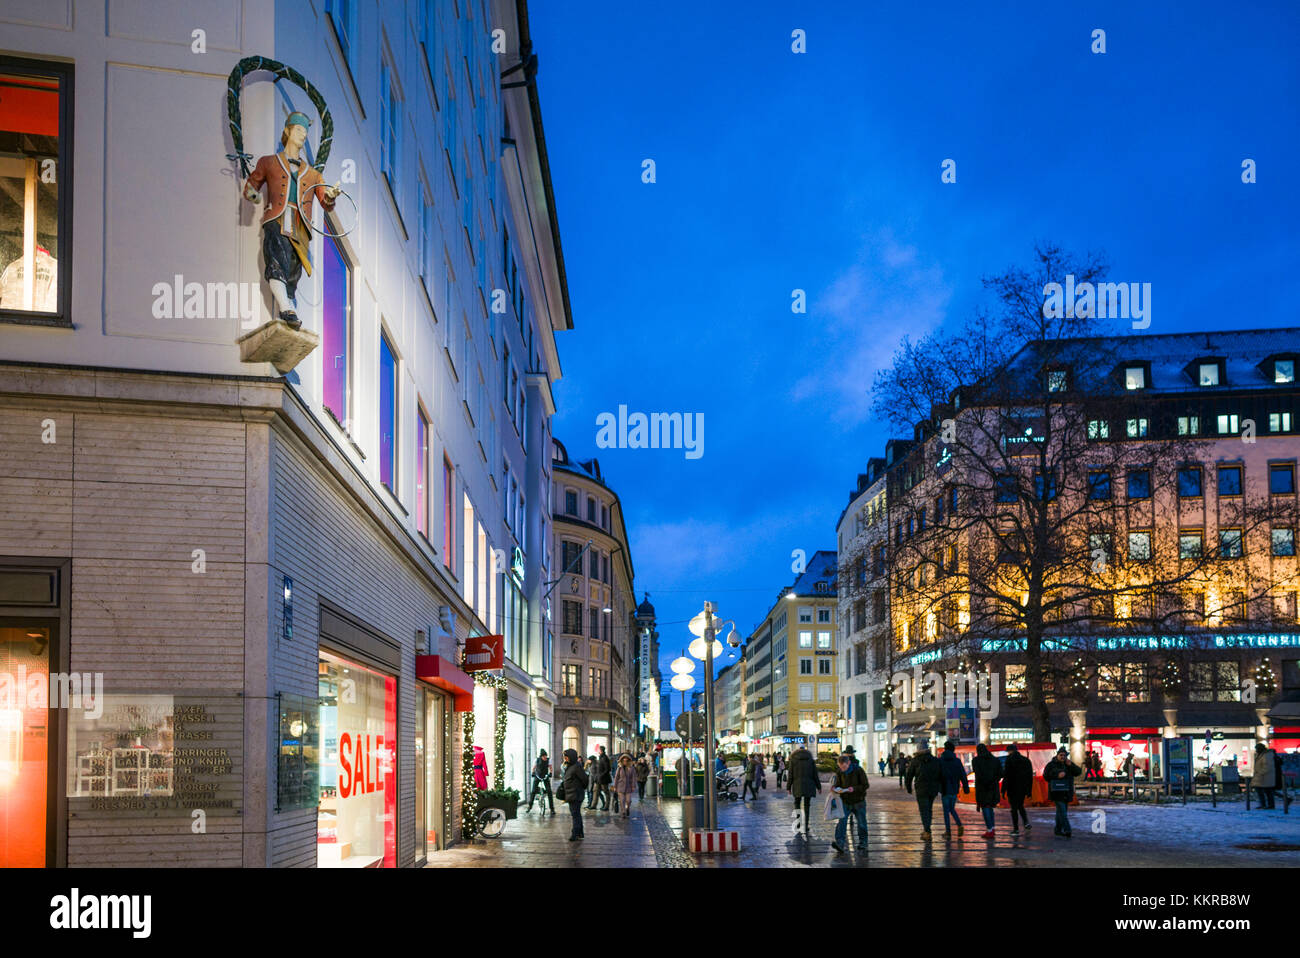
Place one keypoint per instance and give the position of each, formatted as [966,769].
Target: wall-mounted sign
[600,724]
[517,562]
[484,652]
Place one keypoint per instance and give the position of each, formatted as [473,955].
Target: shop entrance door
[26,722]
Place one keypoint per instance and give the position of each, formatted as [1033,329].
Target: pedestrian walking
[804,783]
[573,783]
[604,777]
[753,771]
[988,773]
[903,763]
[1017,785]
[625,782]
[881,763]
[954,780]
[1279,785]
[642,776]
[1060,774]
[852,754]
[891,760]
[923,778]
[592,775]
[851,784]
[542,782]
[779,764]
[1265,776]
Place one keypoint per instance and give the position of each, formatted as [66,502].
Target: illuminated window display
[431,740]
[357,819]
[24,737]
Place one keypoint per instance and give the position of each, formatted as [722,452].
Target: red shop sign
[484,653]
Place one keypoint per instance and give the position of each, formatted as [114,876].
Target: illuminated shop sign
[1121,643]
[600,724]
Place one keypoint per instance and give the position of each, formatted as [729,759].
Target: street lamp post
[706,627]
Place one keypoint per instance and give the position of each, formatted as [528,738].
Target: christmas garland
[469,793]
[281,72]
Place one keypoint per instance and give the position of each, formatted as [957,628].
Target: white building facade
[274,574]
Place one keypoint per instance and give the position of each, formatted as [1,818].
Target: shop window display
[357,817]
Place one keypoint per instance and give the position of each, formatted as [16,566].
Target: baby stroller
[726,785]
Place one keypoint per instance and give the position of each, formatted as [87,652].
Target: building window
[1189,482]
[421,472]
[1230,480]
[1279,422]
[594,616]
[1124,682]
[824,667]
[604,517]
[596,679]
[1284,370]
[1189,425]
[1283,542]
[823,615]
[1214,682]
[572,617]
[570,502]
[825,693]
[1098,485]
[1135,377]
[1209,374]
[1098,429]
[1137,428]
[805,613]
[1139,546]
[1190,544]
[591,510]
[387,414]
[805,639]
[343,14]
[1099,545]
[1281,478]
[336,313]
[35,169]
[1228,424]
[1058,380]
[571,679]
[805,666]
[823,640]
[1230,544]
[1139,483]
[1005,488]
[448,525]
[1045,487]
[571,557]
[805,691]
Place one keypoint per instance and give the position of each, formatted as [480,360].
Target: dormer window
[1209,374]
[1135,377]
[1284,370]
[1058,380]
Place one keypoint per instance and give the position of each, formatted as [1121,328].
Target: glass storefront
[24,744]
[431,740]
[485,724]
[357,816]
[517,763]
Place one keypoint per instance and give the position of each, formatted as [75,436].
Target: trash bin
[692,815]
[652,786]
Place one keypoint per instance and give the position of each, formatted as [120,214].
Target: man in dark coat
[804,783]
[923,771]
[573,784]
[603,778]
[851,784]
[1060,774]
[954,781]
[1017,785]
[988,772]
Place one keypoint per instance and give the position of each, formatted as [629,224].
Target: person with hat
[852,754]
[923,770]
[1017,785]
[292,186]
[1060,774]
[573,785]
[542,782]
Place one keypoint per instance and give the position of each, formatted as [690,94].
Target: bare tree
[1039,510]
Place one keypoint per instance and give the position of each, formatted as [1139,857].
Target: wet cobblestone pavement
[1105,834]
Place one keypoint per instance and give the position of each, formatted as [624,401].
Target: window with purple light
[387,414]
[336,306]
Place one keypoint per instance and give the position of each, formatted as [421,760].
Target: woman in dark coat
[988,773]
[1017,785]
[804,782]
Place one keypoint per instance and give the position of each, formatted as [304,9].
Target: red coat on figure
[480,769]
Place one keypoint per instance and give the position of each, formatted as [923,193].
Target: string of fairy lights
[469,794]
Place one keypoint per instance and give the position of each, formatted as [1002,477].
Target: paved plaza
[1105,834]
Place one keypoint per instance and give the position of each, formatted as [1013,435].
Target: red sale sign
[484,652]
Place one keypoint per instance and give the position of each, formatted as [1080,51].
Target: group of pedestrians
[596,781]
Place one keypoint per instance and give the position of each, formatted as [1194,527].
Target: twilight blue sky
[821,171]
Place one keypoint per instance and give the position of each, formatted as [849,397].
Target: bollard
[1183,784]
[1213,801]
[1247,787]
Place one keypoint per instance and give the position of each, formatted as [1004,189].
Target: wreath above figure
[280,71]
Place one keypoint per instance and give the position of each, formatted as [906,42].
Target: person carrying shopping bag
[850,787]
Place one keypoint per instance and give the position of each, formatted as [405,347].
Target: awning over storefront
[439,672]
[1285,713]
[903,728]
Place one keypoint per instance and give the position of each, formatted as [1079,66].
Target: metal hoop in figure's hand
[341,192]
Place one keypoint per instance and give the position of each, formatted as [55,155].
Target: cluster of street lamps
[705,647]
